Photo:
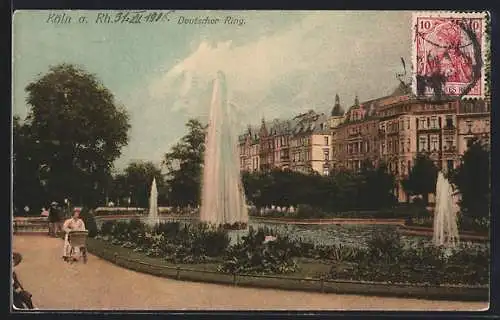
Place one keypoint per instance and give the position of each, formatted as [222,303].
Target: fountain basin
[321,234]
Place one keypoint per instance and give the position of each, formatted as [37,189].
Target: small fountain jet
[153,218]
[445,215]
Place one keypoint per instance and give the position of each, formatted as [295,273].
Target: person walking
[74,223]
[54,218]
[45,212]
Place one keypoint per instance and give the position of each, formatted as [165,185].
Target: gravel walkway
[100,285]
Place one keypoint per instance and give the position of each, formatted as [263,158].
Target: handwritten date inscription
[133,17]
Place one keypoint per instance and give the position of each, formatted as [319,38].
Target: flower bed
[385,259]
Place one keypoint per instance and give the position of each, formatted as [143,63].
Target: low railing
[28,225]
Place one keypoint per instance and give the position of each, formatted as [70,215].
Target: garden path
[100,285]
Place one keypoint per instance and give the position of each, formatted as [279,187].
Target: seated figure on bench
[75,223]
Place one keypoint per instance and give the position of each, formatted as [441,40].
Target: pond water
[331,234]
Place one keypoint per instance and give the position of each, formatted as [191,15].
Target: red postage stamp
[448,54]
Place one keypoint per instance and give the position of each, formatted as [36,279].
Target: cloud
[298,68]
[272,72]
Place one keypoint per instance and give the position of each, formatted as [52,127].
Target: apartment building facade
[406,126]
[311,143]
[302,144]
[249,150]
[392,129]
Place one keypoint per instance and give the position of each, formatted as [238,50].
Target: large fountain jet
[222,197]
[445,215]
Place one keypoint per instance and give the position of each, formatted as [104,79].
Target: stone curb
[453,293]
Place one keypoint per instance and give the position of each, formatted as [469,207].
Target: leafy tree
[78,131]
[344,190]
[136,181]
[184,166]
[28,182]
[375,187]
[422,178]
[472,178]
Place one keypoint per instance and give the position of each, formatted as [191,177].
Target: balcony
[393,133]
[429,129]
[449,129]
[449,150]
[285,159]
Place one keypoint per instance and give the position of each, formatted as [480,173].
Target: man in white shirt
[72,224]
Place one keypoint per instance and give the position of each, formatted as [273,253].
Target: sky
[277,64]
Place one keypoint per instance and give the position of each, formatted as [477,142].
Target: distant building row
[393,129]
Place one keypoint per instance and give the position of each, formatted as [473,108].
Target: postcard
[250,160]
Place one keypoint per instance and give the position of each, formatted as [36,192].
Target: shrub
[480,225]
[211,241]
[120,231]
[107,228]
[168,228]
[90,224]
[305,211]
[252,255]
[386,246]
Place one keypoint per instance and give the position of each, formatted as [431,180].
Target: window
[408,145]
[449,164]
[422,143]
[469,125]
[403,169]
[449,122]
[408,124]
[422,123]
[327,155]
[326,141]
[468,142]
[326,171]
[448,143]
[434,123]
[434,143]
